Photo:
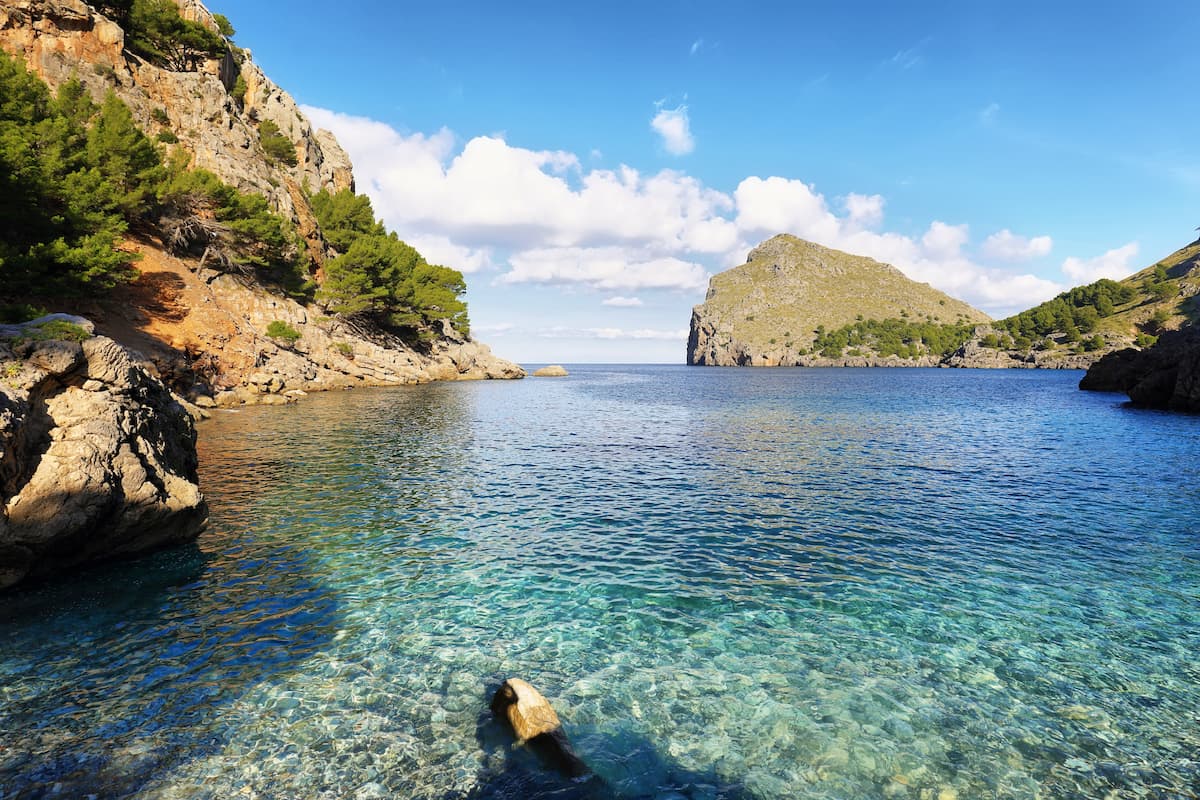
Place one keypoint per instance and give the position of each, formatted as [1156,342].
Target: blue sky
[590,165]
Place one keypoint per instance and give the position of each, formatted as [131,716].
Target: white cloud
[865,210]
[944,242]
[604,268]
[559,332]
[1007,246]
[988,114]
[550,220]
[622,302]
[1113,264]
[440,250]
[697,46]
[673,125]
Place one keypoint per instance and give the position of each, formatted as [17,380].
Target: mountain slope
[209,107]
[770,310]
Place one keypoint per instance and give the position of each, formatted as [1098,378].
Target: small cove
[731,583]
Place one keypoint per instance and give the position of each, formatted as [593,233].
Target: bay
[731,583]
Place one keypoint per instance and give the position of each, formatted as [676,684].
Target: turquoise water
[919,584]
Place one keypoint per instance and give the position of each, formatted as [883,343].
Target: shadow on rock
[624,766]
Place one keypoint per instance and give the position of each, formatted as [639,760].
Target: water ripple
[739,584]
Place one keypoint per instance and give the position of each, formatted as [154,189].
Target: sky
[588,166]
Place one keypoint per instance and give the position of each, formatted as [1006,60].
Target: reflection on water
[767,584]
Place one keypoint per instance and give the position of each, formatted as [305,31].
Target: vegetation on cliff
[891,337]
[377,277]
[155,30]
[75,178]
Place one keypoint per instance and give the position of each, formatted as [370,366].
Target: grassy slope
[789,287]
[1182,266]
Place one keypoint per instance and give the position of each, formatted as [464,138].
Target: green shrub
[277,146]
[224,27]
[167,137]
[1094,343]
[56,330]
[283,332]
[238,92]
[344,348]
[1145,340]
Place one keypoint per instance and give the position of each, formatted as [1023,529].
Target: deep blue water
[731,583]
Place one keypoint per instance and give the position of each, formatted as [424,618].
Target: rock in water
[97,458]
[552,371]
[1166,375]
[536,725]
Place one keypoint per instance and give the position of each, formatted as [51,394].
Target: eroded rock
[97,459]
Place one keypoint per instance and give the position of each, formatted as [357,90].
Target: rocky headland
[796,303]
[97,457]
[767,312]
[1165,375]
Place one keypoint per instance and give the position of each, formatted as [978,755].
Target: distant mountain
[787,306]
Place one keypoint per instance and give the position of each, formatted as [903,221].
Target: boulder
[552,371]
[536,725]
[97,459]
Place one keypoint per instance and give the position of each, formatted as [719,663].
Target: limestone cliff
[203,332]
[766,311]
[97,458]
[60,39]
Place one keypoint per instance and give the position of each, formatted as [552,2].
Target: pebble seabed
[790,584]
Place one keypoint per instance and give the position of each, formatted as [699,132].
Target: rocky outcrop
[61,39]
[1165,375]
[551,371]
[97,458]
[766,312]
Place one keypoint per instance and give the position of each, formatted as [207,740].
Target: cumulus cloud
[622,302]
[673,125]
[542,217]
[441,250]
[604,268]
[865,210]
[1114,264]
[1007,246]
[558,332]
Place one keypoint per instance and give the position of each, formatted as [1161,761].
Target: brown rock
[551,371]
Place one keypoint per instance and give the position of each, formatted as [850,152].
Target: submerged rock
[97,457]
[536,725]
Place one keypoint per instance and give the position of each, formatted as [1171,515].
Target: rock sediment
[97,458]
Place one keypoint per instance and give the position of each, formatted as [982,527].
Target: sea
[730,583]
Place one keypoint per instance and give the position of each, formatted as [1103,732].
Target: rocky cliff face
[97,458]
[60,39]
[766,311]
[206,333]
[1166,375]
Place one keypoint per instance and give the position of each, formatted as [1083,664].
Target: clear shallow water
[740,584]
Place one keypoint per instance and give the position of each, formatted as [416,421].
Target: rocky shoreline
[97,457]
[1164,376]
